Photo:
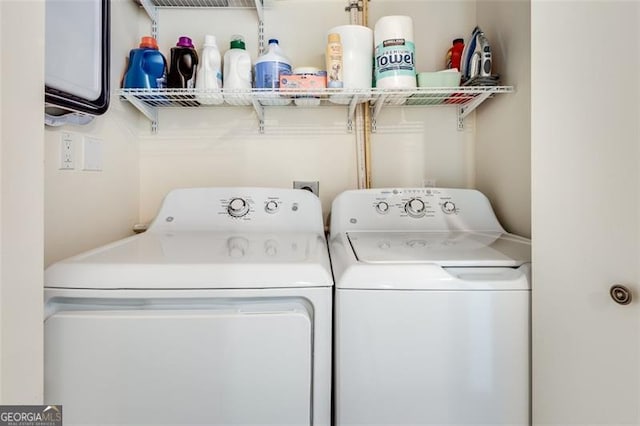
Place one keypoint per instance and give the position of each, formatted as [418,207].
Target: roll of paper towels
[357,54]
[395,53]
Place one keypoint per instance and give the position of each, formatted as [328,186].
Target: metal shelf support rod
[152,11]
[260,112]
[260,10]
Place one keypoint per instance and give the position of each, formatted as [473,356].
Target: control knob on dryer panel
[238,207]
[415,207]
[271,206]
[382,207]
[448,207]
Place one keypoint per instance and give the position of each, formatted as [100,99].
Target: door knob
[620,294]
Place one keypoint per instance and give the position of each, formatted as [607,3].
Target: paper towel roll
[357,51]
[394,53]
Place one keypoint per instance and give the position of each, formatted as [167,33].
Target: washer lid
[199,260]
[462,249]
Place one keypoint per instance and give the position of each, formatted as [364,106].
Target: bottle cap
[273,40]
[458,40]
[149,42]
[334,38]
[210,41]
[184,41]
[237,42]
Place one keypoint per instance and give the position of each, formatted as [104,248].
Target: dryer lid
[199,260]
[447,249]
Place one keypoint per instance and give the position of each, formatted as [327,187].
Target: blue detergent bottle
[147,67]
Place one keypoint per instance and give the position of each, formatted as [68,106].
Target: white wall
[21,208]
[84,209]
[503,129]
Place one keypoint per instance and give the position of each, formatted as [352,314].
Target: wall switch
[91,154]
[67,151]
[311,186]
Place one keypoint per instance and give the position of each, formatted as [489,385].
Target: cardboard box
[303,81]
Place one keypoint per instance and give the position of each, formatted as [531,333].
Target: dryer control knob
[382,207]
[448,207]
[415,207]
[238,207]
[271,206]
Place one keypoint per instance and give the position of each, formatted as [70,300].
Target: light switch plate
[92,154]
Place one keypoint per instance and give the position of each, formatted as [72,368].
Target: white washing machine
[432,310]
[219,314]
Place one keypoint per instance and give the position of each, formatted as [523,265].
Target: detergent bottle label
[268,74]
[395,58]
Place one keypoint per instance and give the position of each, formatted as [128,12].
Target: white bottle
[237,73]
[209,75]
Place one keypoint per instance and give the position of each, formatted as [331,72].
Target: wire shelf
[202,3]
[466,99]
[204,98]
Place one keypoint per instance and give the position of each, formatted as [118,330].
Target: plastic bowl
[439,79]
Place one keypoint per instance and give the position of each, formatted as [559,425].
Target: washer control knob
[382,207]
[449,207]
[415,207]
[238,207]
[271,206]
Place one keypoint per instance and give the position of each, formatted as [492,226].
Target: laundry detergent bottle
[147,67]
[237,73]
[209,75]
[184,64]
[270,66]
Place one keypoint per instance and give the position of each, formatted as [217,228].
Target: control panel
[414,203]
[437,209]
[256,209]
[239,207]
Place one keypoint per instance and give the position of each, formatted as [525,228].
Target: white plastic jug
[270,66]
[209,75]
[237,73]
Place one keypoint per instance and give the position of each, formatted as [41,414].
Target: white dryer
[219,314]
[432,310]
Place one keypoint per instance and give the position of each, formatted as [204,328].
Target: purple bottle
[184,62]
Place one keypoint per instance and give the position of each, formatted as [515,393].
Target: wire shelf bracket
[260,113]
[469,107]
[148,111]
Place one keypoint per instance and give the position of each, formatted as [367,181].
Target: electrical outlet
[67,152]
[309,185]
